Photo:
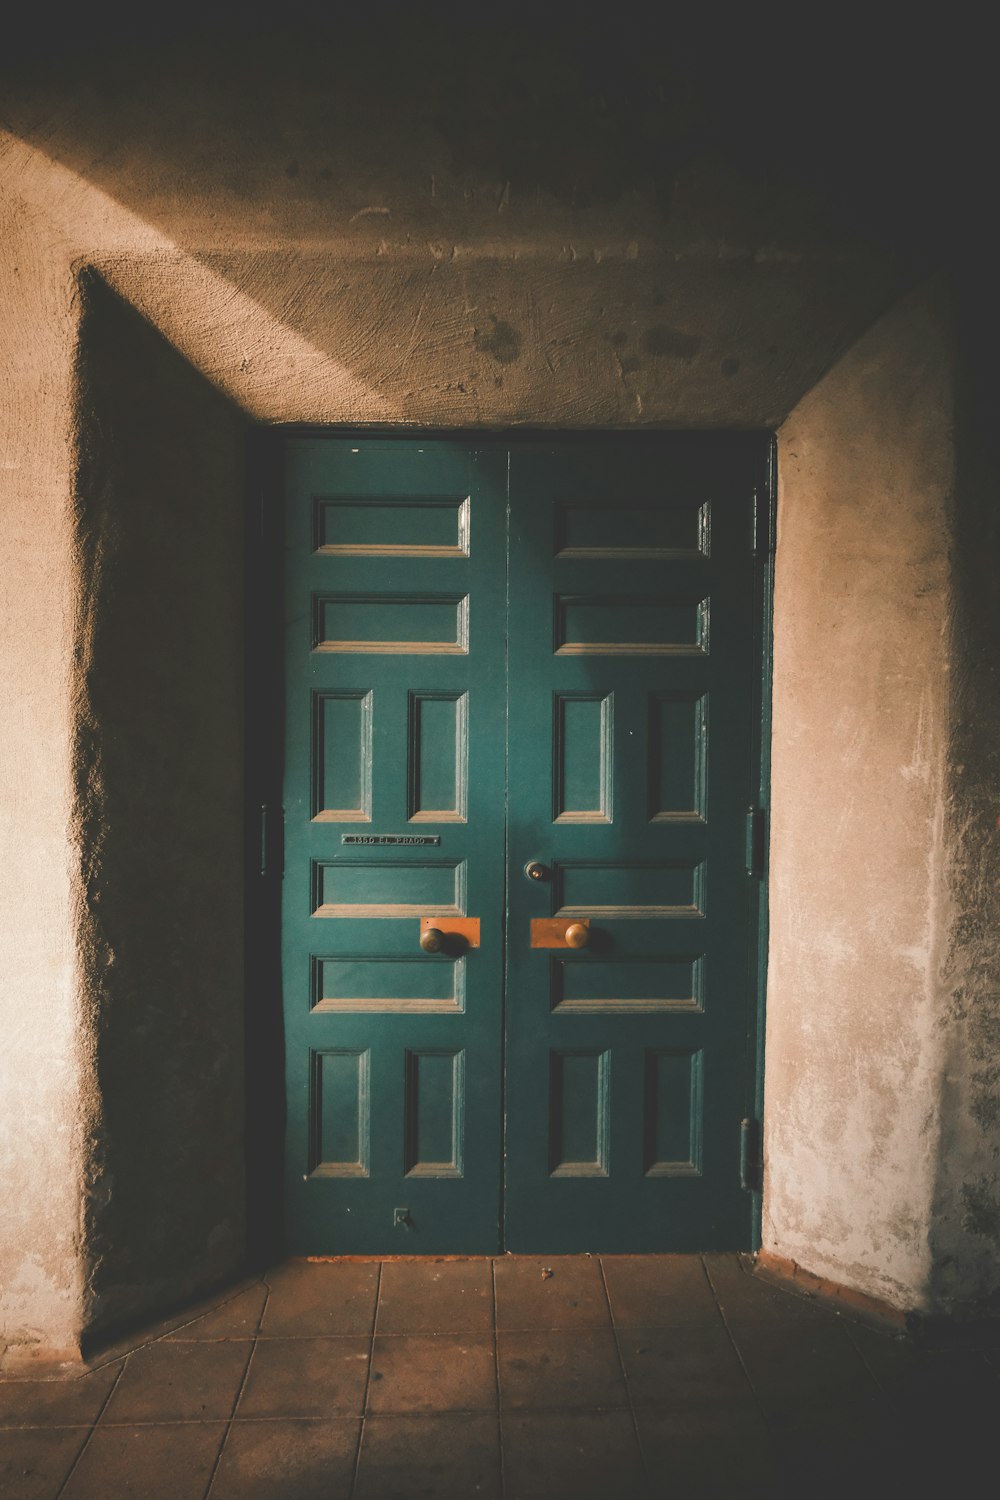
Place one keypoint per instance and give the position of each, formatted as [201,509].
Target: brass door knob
[577,936]
[432,940]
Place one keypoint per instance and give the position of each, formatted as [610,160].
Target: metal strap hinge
[271,841]
[756,840]
[751,1164]
[264,811]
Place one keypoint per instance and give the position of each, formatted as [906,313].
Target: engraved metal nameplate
[423,839]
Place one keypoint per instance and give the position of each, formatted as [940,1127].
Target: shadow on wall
[159,774]
[582,106]
[498,220]
[965,1227]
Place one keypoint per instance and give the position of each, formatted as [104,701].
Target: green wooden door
[500,655]
[395,584]
[631,763]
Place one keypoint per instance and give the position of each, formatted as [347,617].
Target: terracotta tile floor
[611,1377]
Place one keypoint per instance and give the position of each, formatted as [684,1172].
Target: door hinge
[756,840]
[264,810]
[750,1156]
[270,840]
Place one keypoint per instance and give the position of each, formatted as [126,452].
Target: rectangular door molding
[522,706]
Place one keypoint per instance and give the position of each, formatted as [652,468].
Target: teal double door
[521,729]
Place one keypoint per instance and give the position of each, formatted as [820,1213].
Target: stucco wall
[44,1059]
[856,1055]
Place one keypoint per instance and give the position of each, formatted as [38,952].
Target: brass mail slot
[560,932]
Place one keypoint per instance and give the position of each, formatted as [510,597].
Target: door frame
[263,768]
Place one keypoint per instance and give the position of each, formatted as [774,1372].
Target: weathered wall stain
[501,342]
[981,1210]
[663,340]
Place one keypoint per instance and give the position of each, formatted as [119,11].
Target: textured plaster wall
[856,1032]
[45,1058]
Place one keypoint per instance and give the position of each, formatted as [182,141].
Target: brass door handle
[449,934]
[560,932]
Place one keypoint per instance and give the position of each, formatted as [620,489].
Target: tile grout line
[390,1338]
[628,1389]
[190,1322]
[865,1361]
[93,1428]
[158,1338]
[496,1372]
[368,1381]
[239,1392]
[394,1411]
[737,1350]
[885,1402]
